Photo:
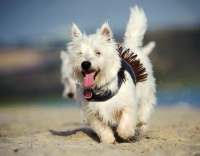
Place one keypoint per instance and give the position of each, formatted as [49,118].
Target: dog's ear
[76,33]
[106,31]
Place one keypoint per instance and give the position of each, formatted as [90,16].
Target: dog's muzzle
[88,73]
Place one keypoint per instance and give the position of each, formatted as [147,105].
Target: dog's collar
[128,68]
[90,94]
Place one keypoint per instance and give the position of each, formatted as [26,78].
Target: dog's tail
[147,49]
[135,28]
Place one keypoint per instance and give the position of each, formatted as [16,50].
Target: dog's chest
[108,114]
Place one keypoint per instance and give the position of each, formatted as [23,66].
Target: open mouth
[89,77]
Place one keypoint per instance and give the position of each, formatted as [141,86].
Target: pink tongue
[89,79]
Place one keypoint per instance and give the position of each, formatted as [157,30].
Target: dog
[115,85]
[68,82]
[147,49]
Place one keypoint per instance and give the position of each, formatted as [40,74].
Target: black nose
[86,65]
[70,95]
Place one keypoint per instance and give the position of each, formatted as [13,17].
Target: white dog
[69,85]
[68,82]
[115,88]
[147,49]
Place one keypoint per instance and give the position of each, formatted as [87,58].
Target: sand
[46,131]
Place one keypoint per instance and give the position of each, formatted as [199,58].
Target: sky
[29,18]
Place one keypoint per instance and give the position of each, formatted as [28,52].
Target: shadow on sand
[90,133]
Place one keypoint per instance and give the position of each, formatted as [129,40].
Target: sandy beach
[42,131]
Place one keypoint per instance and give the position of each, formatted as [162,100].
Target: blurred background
[32,34]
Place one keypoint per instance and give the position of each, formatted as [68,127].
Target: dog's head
[69,84]
[69,87]
[93,59]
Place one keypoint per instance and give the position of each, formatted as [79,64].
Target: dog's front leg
[104,132]
[127,123]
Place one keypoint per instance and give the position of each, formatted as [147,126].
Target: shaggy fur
[68,82]
[132,104]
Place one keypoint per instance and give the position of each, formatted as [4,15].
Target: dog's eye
[79,53]
[98,53]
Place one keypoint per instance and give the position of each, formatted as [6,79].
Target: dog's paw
[142,129]
[108,139]
[125,133]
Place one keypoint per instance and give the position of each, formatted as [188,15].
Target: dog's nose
[70,95]
[86,65]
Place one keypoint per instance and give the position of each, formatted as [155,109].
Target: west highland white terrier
[68,82]
[114,84]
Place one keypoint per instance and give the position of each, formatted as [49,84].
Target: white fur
[145,91]
[147,49]
[69,85]
[68,82]
[135,28]
[132,104]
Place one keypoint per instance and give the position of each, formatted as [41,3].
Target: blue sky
[29,18]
